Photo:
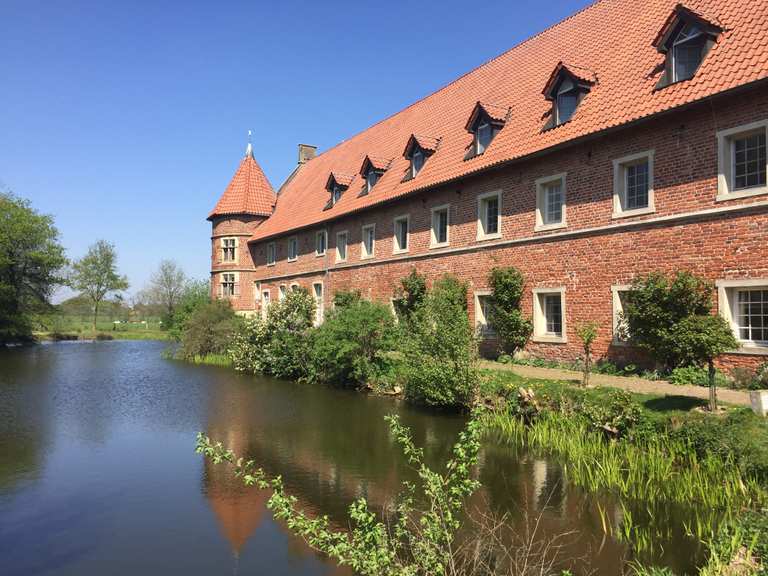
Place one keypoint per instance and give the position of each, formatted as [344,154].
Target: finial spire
[249,148]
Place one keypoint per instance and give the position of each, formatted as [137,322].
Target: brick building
[628,138]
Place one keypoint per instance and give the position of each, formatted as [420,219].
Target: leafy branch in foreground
[418,539]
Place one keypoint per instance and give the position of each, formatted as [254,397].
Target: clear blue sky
[126,120]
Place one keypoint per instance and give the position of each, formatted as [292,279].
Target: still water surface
[98,473]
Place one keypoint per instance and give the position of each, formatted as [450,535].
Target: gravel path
[660,387]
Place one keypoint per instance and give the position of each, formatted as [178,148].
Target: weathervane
[249,148]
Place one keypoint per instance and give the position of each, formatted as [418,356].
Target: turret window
[229,249]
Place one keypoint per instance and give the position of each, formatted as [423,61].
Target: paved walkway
[660,387]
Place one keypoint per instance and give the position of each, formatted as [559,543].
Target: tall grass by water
[654,470]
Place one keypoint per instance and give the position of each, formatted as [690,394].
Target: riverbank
[102,335]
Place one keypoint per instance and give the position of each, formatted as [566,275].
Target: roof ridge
[472,70]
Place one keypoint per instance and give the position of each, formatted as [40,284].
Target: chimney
[306,153]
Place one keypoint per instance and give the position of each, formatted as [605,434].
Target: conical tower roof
[249,192]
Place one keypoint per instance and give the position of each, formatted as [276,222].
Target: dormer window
[336,185]
[484,123]
[335,194]
[566,89]
[685,40]
[372,170]
[417,150]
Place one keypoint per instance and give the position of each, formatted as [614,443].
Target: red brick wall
[719,246]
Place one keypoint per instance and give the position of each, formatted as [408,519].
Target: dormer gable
[566,88]
[417,150]
[485,121]
[336,184]
[684,39]
[372,169]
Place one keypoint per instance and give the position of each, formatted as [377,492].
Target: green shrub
[196,295]
[694,376]
[344,298]
[278,345]
[748,379]
[616,413]
[439,348]
[507,318]
[209,330]
[587,333]
[410,295]
[352,345]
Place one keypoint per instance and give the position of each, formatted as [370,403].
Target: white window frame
[271,247]
[620,184]
[487,125]
[541,185]
[266,299]
[235,284]
[256,291]
[725,161]
[324,235]
[540,319]
[282,290]
[293,286]
[417,152]
[319,303]
[481,215]
[433,243]
[368,185]
[482,325]
[396,248]
[294,239]
[224,248]
[727,302]
[364,254]
[345,234]
[618,310]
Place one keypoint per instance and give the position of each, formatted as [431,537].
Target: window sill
[747,193]
[440,245]
[550,339]
[622,343]
[291,259]
[270,264]
[546,227]
[750,350]
[635,212]
[495,236]
[400,251]
[369,257]
[340,261]
[319,254]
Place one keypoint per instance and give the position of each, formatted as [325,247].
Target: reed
[654,471]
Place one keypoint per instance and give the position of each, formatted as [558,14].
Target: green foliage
[31,259]
[344,298]
[209,330]
[352,345]
[694,376]
[739,547]
[700,339]
[507,318]
[654,312]
[587,333]
[420,537]
[278,345]
[747,379]
[439,350]
[197,293]
[95,275]
[410,295]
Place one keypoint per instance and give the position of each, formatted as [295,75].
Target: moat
[98,473]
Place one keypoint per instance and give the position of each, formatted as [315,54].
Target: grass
[139,334]
[208,360]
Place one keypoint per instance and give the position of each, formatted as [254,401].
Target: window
[417,161]
[619,294]
[282,291]
[744,303]
[336,191]
[483,313]
[228,285]
[295,286]
[550,202]
[400,243]
[549,315]
[321,240]
[688,49]
[317,292]
[742,161]
[265,302]
[271,254]
[439,236]
[633,185]
[256,291]
[489,216]
[293,249]
[341,246]
[483,137]
[368,240]
[566,102]
[371,177]
[228,249]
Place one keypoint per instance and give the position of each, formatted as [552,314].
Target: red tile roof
[611,38]
[249,192]
[424,142]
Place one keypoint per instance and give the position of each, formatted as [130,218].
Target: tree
[31,260]
[410,295]
[701,339]
[95,275]
[506,316]
[587,333]
[166,286]
[655,305]
[197,293]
